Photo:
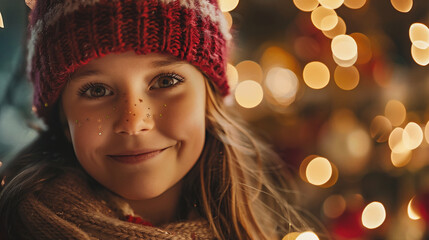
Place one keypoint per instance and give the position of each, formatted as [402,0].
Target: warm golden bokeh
[316,75]
[331,4]
[249,70]
[1,21]
[427,132]
[275,56]
[401,159]
[232,75]
[354,4]
[419,35]
[228,5]
[228,19]
[396,143]
[380,128]
[334,206]
[319,171]
[282,85]
[291,236]
[306,5]
[249,94]
[307,236]
[402,5]
[339,29]
[346,78]
[324,19]
[344,47]
[395,111]
[364,47]
[420,56]
[412,214]
[373,215]
[412,136]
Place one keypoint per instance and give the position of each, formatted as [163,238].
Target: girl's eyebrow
[84,73]
[166,62]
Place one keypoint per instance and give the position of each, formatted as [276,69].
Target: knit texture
[66,34]
[68,208]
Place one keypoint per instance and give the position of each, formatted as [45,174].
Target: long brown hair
[244,189]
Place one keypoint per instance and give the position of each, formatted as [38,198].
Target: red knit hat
[66,34]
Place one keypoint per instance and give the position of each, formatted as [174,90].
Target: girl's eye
[94,90]
[167,80]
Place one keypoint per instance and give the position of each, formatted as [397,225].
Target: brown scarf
[69,208]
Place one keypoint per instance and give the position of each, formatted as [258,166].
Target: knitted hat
[66,34]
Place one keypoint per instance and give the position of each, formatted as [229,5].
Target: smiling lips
[136,158]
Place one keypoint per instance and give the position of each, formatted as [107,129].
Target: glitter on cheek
[165,105]
[99,120]
[160,115]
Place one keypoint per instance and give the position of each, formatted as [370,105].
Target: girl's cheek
[89,129]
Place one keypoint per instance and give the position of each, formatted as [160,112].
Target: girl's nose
[134,118]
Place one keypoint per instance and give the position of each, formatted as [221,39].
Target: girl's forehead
[146,61]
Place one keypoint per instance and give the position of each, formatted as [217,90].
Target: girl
[138,144]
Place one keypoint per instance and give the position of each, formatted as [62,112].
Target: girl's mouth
[136,158]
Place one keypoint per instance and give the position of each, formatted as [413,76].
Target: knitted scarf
[69,208]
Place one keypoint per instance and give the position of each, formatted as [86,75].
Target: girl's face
[137,122]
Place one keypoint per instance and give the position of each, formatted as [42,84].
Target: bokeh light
[364,47]
[324,19]
[395,111]
[275,56]
[282,84]
[307,236]
[228,19]
[354,4]
[306,5]
[1,21]
[396,143]
[401,159]
[427,132]
[358,143]
[339,29]
[412,213]
[380,128]
[249,70]
[344,63]
[228,5]
[334,206]
[402,5]
[346,78]
[248,94]
[291,236]
[319,171]
[412,135]
[419,35]
[373,215]
[420,56]
[344,47]
[232,75]
[316,75]
[331,4]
